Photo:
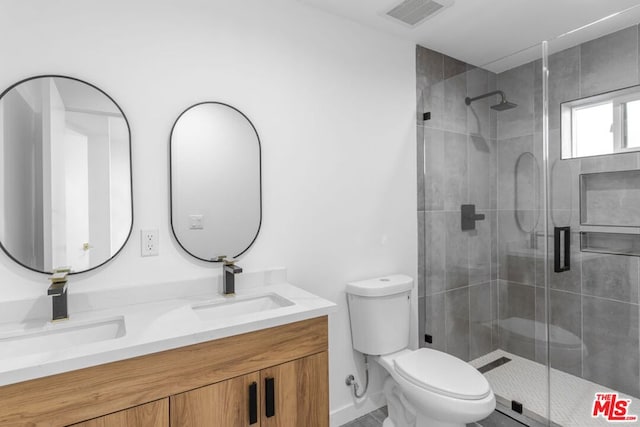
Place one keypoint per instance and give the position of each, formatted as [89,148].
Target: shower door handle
[561,256]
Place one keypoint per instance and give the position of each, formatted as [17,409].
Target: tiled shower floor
[525,381]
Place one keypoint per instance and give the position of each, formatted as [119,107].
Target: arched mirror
[216,206]
[65,181]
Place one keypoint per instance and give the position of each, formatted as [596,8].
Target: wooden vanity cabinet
[287,395]
[227,403]
[206,384]
[301,393]
[153,414]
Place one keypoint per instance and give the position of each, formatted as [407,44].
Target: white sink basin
[59,336]
[239,306]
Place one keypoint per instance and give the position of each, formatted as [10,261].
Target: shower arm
[468,100]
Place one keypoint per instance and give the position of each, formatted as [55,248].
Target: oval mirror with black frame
[65,178]
[216,195]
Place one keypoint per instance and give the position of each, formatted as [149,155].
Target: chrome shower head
[501,106]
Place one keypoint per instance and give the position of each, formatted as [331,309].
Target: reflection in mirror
[65,184]
[215,181]
[602,124]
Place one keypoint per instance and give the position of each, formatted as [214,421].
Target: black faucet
[229,278]
[58,292]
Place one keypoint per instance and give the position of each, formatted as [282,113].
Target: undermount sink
[238,306]
[59,336]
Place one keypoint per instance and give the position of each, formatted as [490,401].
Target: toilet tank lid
[381,286]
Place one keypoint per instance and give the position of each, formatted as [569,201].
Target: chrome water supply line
[351,380]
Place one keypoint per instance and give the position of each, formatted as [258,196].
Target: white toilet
[426,387]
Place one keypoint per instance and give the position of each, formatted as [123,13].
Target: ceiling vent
[414,12]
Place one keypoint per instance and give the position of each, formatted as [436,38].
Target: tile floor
[525,381]
[372,419]
[375,419]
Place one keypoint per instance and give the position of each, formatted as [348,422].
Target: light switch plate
[196,222]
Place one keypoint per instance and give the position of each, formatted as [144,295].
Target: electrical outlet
[148,242]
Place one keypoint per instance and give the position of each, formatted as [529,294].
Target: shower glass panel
[482,221]
[594,209]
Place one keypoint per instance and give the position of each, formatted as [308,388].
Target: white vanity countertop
[156,317]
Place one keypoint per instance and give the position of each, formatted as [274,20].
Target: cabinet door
[227,403]
[296,393]
[154,414]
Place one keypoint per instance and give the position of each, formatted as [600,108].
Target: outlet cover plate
[149,242]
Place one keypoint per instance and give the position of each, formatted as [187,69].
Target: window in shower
[602,124]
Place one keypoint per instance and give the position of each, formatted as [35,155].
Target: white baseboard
[357,409]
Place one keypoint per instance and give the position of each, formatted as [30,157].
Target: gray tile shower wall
[457,164]
[484,289]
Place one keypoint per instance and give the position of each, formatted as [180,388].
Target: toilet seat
[442,373]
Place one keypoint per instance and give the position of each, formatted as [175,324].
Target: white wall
[333,102]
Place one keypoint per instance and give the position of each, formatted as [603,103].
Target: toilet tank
[379,311]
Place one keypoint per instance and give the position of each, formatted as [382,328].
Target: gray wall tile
[453,67]
[455,110]
[613,162]
[435,237]
[481,119]
[434,172]
[517,308]
[420,167]
[422,321]
[482,158]
[540,330]
[495,315]
[509,151]
[455,170]
[563,183]
[435,321]
[611,199]
[565,347]
[456,253]
[570,280]
[493,219]
[457,322]
[610,276]
[564,81]
[516,259]
[429,64]
[609,62]
[480,320]
[518,86]
[421,254]
[479,241]
[611,344]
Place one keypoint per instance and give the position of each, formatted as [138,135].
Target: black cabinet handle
[253,403]
[560,234]
[270,397]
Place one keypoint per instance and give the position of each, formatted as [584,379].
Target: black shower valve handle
[468,217]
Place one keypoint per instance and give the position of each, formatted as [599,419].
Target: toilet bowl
[425,387]
[441,389]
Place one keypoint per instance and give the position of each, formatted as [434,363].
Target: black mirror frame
[130,169]
[173,230]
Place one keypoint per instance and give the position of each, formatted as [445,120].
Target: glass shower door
[482,222]
[593,223]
